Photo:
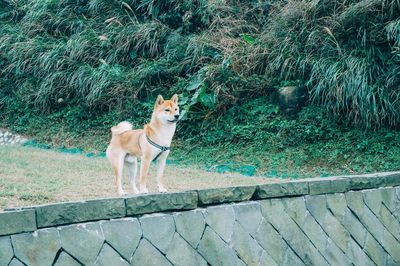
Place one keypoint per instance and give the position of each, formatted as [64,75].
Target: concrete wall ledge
[28,219]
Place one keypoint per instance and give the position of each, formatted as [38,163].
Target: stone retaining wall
[330,221]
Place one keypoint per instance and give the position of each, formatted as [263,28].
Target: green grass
[253,138]
[30,176]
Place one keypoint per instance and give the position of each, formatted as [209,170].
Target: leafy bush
[96,62]
[347,52]
[113,55]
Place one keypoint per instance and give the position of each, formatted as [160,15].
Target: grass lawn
[30,176]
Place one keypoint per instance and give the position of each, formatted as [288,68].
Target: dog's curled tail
[121,128]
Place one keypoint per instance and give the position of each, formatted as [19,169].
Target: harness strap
[162,148]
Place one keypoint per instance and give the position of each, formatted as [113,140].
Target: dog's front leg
[144,170]
[160,173]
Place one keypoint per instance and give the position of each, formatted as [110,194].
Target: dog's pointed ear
[175,98]
[160,100]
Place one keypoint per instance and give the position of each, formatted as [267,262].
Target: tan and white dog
[150,143]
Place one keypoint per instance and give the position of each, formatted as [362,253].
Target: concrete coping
[28,219]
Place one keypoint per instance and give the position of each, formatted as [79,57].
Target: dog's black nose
[176,116]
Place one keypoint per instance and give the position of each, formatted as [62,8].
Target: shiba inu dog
[150,143]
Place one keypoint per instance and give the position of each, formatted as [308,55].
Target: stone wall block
[355,202]
[291,188]
[336,203]
[354,227]
[142,204]
[266,260]
[271,241]
[319,186]
[6,250]
[292,259]
[75,212]
[224,195]
[392,179]
[108,256]
[159,229]
[123,235]
[296,208]
[318,207]
[274,211]
[249,216]
[13,222]
[357,255]
[336,232]
[390,222]
[392,246]
[374,200]
[366,182]
[375,250]
[215,250]
[374,226]
[389,199]
[190,225]
[147,254]
[16,262]
[66,260]
[221,219]
[82,241]
[246,247]
[181,253]
[333,254]
[315,232]
[37,248]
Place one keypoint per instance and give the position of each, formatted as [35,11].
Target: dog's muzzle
[175,120]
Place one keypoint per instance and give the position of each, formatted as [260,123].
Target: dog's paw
[135,190]
[121,192]
[162,189]
[144,190]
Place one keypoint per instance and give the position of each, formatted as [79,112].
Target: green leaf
[133,55]
[183,99]
[194,85]
[207,99]
[248,38]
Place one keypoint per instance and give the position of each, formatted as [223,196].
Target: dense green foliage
[107,55]
[347,52]
[111,55]
[69,69]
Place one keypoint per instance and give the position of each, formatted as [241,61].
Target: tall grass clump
[89,60]
[112,55]
[345,52]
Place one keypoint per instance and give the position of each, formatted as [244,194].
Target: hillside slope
[71,69]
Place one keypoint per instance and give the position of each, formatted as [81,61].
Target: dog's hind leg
[131,165]
[117,162]
[118,174]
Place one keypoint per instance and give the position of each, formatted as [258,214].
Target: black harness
[161,148]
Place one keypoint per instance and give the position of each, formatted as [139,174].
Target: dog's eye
[167,110]
[176,109]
